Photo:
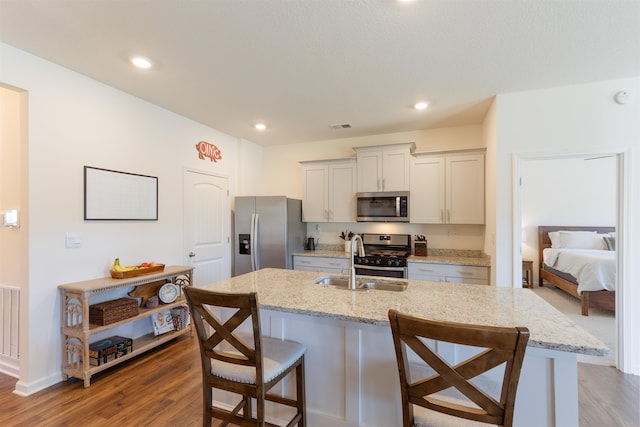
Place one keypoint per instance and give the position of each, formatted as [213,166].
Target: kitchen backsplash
[464,253]
[439,237]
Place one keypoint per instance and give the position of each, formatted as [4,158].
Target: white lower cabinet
[317,263]
[451,273]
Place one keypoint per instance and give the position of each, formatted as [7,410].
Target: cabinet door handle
[465,273]
[425,269]
[192,254]
[442,215]
[448,216]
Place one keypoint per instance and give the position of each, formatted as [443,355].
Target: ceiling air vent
[341,126]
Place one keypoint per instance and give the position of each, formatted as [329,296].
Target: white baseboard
[27,389]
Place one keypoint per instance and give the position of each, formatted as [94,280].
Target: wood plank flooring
[162,388]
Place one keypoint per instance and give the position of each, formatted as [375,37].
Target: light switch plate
[10,218]
[73,240]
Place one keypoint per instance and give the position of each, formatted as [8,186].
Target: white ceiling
[303,65]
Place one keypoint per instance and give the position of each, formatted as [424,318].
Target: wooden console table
[77,331]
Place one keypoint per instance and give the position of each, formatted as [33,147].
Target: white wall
[75,121]
[565,191]
[250,169]
[283,173]
[581,119]
[489,132]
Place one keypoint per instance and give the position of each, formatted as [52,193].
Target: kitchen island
[351,372]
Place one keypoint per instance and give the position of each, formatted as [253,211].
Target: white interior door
[207,226]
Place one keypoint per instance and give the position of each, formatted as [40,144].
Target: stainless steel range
[385,255]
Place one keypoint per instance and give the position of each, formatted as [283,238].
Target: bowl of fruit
[118,271]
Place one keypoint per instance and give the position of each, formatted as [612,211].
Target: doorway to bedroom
[570,191]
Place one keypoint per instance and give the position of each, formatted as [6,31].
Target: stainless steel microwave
[383,207]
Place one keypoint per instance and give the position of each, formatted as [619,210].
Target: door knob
[192,254]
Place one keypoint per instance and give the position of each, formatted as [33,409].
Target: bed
[595,269]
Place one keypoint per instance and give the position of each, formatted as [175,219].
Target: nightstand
[527,273]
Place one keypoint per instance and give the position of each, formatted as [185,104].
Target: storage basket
[113,311]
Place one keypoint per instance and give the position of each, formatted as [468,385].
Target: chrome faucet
[352,270]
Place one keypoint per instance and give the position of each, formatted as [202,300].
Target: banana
[117,266]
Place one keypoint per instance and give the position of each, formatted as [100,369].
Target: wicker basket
[113,311]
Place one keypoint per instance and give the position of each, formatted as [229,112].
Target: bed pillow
[557,241]
[582,240]
[610,241]
[554,236]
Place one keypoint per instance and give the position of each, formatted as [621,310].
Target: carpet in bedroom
[599,323]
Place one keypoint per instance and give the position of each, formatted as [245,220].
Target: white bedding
[594,269]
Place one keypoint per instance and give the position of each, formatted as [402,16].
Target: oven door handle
[377,267]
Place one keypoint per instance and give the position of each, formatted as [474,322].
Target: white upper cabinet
[447,188]
[426,203]
[384,167]
[328,192]
[315,192]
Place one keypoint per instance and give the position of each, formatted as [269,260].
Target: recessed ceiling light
[421,105]
[261,126]
[141,62]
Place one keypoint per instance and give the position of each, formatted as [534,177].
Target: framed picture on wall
[120,196]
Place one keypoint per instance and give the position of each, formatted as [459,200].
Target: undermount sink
[363,283]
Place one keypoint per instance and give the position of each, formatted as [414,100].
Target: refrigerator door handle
[254,242]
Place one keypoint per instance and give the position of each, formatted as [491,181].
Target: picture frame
[111,195]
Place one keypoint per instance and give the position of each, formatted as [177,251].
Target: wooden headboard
[545,242]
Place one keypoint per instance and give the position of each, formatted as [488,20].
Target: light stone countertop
[293,291]
[482,261]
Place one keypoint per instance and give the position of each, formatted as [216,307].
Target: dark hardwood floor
[162,388]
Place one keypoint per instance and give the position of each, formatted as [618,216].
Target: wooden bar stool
[457,390]
[247,364]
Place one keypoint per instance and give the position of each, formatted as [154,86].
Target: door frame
[623,313]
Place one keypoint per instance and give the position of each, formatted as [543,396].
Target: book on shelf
[180,316]
[162,322]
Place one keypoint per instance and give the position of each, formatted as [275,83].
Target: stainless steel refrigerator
[268,230]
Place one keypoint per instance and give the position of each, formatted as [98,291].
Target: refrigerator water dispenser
[244,248]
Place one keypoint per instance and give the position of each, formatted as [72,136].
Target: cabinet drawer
[337,265]
[419,270]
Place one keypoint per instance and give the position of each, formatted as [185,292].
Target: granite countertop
[294,291]
[442,257]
